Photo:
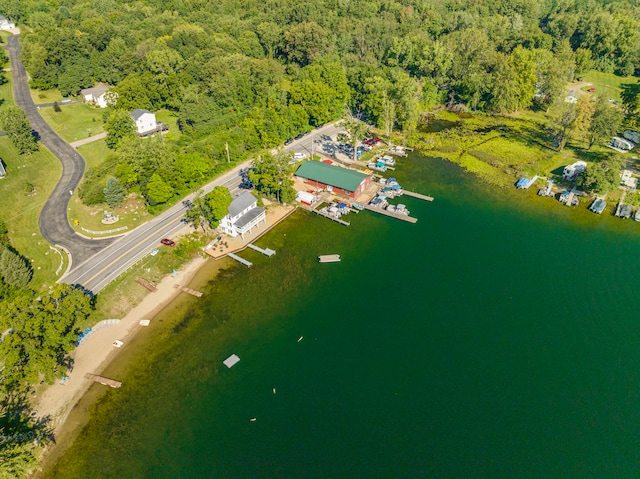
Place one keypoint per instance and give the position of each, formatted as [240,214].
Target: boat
[300,338]
[636,216]
[598,206]
[357,206]
[253,419]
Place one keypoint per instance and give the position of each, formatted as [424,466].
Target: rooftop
[95,91]
[138,112]
[344,178]
[241,203]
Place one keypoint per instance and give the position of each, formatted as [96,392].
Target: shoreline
[97,352]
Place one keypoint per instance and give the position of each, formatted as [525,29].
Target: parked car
[289,141]
[168,242]
[591,90]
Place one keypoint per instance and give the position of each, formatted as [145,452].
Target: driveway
[54,224]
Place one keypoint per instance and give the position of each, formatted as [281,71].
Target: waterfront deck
[337,220]
[190,291]
[245,262]
[409,219]
[417,195]
[267,252]
[102,380]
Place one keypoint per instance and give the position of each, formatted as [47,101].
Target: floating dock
[337,220]
[267,252]
[102,380]
[190,291]
[328,258]
[231,361]
[398,216]
[417,195]
[248,264]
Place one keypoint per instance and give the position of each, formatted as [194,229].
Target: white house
[243,215]
[145,121]
[6,24]
[571,172]
[96,95]
[3,172]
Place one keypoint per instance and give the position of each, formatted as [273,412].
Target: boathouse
[244,214]
[341,181]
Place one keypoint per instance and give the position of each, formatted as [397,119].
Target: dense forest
[252,74]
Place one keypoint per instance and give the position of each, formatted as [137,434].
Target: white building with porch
[244,214]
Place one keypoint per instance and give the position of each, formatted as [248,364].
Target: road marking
[130,249]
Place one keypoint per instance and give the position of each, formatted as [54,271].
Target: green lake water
[495,338]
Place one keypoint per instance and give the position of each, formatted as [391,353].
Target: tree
[565,121]
[197,213]
[114,192]
[16,125]
[158,190]
[270,175]
[605,121]
[43,332]
[14,269]
[356,130]
[305,41]
[217,205]
[602,177]
[119,125]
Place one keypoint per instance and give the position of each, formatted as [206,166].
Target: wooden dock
[417,195]
[267,252]
[329,258]
[190,291]
[102,380]
[248,264]
[398,216]
[337,220]
[146,284]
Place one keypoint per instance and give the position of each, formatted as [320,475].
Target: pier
[337,220]
[102,380]
[248,264]
[267,252]
[190,291]
[398,216]
[417,195]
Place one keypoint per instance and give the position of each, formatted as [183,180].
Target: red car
[591,90]
[167,242]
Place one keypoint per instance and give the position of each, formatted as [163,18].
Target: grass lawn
[607,85]
[74,122]
[46,96]
[6,92]
[131,214]
[169,118]
[94,153]
[42,170]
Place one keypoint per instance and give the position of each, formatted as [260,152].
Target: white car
[298,155]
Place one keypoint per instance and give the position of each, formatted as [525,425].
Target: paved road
[108,264]
[53,222]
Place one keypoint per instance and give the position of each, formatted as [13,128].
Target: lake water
[495,338]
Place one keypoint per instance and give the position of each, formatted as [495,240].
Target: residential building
[96,95]
[342,181]
[145,121]
[243,214]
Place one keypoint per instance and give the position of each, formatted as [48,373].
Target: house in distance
[96,95]
[146,124]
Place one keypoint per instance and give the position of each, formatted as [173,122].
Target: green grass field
[41,170]
[6,92]
[607,85]
[169,118]
[94,153]
[74,122]
[46,96]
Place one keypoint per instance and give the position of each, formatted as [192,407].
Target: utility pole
[226,147]
[312,142]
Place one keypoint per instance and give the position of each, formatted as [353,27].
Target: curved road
[54,225]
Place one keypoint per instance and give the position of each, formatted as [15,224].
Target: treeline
[251,74]
[37,332]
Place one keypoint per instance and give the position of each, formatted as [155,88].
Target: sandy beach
[98,350]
